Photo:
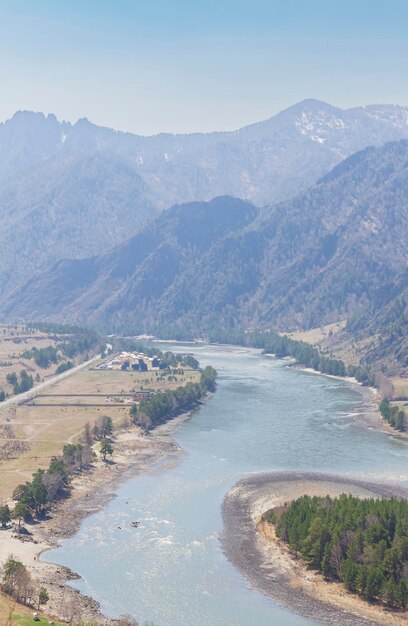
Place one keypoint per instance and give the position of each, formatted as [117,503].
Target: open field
[46,430]
[12,613]
[58,417]
[315,335]
[14,342]
[116,381]
[400,387]
[331,342]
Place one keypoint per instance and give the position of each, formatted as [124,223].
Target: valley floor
[136,454]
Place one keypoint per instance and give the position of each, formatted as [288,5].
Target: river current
[264,416]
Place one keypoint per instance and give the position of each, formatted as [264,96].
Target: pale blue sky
[196,65]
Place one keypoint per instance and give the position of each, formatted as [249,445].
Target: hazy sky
[183,65]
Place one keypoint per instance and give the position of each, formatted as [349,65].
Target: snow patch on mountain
[318,125]
[398,116]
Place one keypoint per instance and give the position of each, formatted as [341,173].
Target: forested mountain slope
[336,251]
[70,205]
[385,319]
[77,189]
[128,282]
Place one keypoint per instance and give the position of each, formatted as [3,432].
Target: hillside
[386,319]
[333,252]
[75,190]
[129,280]
[70,205]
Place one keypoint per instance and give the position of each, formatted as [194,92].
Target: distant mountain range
[338,250]
[75,190]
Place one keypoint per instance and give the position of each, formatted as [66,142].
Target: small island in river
[361,542]
[340,559]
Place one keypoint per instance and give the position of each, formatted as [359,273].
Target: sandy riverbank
[267,564]
[135,453]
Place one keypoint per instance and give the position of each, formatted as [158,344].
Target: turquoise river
[264,416]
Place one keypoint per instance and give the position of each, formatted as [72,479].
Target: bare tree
[87,456]
[54,483]
[87,437]
[336,557]
[385,386]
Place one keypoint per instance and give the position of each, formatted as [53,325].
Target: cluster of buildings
[132,362]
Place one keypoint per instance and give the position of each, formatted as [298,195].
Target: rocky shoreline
[135,453]
[267,565]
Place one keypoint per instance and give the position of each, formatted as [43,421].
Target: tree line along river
[263,416]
